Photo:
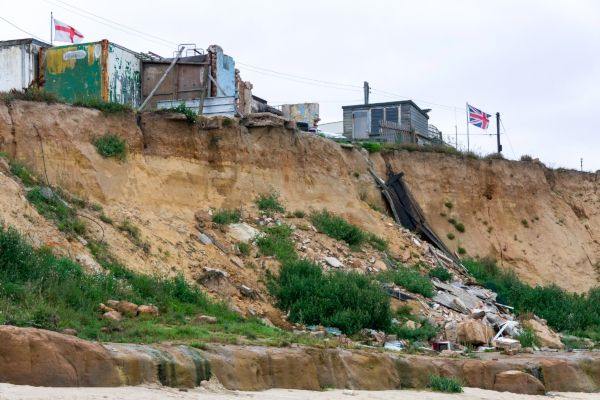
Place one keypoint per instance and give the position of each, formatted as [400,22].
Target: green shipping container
[100,70]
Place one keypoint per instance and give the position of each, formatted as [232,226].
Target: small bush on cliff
[442,384]
[372,147]
[269,203]
[528,338]
[348,301]
[340,229]
[441,273]
[564,311]
[22,172]
[107,107]
[110,145]
[276,242]
[190,116]
[225,217]
[49,204]
[408,278]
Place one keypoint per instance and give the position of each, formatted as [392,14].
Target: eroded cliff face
[543,223]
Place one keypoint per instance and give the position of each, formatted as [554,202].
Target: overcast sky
[536,62]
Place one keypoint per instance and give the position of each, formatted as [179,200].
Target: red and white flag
[66,33]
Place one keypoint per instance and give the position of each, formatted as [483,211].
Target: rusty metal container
[92,71]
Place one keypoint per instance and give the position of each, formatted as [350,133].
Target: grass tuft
[226,217]
[440,273]
[446,385]
[340,229]
[30,94]
[105,106]
[408,278]
[269,203]
[190,116]
[110,145]
[51,205]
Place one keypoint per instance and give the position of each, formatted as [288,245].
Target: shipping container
[93,71]
[19,63]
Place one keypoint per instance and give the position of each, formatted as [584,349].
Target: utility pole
[581,164]
[367,91]
[498,132]
[456,136]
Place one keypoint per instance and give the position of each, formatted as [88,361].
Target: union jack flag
[478,117]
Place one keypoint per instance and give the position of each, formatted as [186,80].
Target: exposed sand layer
[14,392]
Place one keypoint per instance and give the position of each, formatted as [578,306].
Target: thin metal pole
[468,139]
[51,27]
[498,132]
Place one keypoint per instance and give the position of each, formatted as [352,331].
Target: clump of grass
[372,147]
[134,234]
[578,314]
[227,122]
[408,278]
[526,158]
[269,203]
[49,204]
[106,219]
[225,217]
[190,116]
[424,332]
[448,205]
[40,289]
[22,172]
[111,146]
[340,229]
[244,248]
[348,301]
[460,227]
[525,223]
[528,338]
[276,242]
[450,236]
[461,250]
[440,273]
[299,214]
[30,94]
[446,385]
[107,107]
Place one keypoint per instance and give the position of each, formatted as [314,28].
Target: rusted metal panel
[185,82]
[304,112]
[99,70]
[19,63]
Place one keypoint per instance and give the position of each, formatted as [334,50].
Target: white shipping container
[19,63]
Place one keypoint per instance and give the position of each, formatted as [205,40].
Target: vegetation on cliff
[570,312]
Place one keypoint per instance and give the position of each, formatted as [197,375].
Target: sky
[537,62]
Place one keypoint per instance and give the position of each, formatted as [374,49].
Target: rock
[70,332]
[518,382]
[474,332]
[248,292]
[148,310]
[372,336]
[204,239]
[333,262]
[47,193]
[112,303]
[477,313]
[213,273]
[88,263]
[380,265]
[202,216]
[237,261]
[242,232]
[410,324]
[508,345]
[205,319]
[545,335]
[112,315]
[4,167]
[104,308]
[127,308]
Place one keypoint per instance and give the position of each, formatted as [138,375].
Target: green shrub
[106,219]
[526,157]
[269,203]
[104,106]
[190,115]
[441,273]
[449,205]
[276,242]
[450,236]
[244,248]
[528,338]
[22,172]
[525,223]
[372,147]
[452,221]
[442,384]
[459,227]
[424,332]
[338,228]
[110,145]
[299,214]
[225,217]
[461,250]
[578,314]
[409,279]
[53,207]
[348,301]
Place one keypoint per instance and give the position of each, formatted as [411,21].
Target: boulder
[148,310]
[112,315]
[204,239]
[242,232]
[333,262]
[127,308]
[545,335]
[474,332]
[518,382]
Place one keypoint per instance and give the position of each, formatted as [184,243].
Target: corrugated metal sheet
[224,106]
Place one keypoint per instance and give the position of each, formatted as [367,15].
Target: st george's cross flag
[478,117]
[66,33]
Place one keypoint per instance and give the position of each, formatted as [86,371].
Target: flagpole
[51,23]
[468,139]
